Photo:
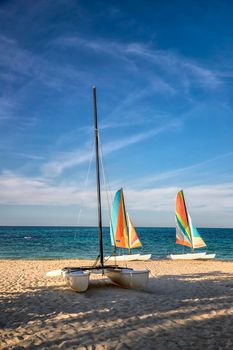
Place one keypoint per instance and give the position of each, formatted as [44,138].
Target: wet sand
[187,305]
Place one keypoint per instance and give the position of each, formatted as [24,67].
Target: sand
[187,305]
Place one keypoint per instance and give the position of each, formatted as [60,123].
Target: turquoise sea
[82,242]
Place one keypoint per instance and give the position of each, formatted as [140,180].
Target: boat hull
[128,278]
[128,257]
[208,256]
[77,280]
[191,256]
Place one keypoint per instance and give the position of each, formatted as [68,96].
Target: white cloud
[215,198]
[68,160]
[203,201]
[22,190]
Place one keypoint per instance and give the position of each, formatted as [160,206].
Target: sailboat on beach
[187,234]
[123,233]
[78,277]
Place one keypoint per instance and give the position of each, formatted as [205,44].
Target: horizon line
[83,226]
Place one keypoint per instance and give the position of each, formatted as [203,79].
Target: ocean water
[82,242]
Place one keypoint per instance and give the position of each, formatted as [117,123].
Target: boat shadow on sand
[175,311]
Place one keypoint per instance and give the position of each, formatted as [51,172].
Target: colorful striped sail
[134,241]
[197,240]
[186,232]
[183,232]
[118,225]
[114,216]
[122,235]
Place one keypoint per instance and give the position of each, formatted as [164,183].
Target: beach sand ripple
[187,305]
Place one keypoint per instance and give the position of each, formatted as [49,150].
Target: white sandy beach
[187,305]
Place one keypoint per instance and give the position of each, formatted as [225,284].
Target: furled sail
[197,240]
[183,233]
[134,241]
[118,225]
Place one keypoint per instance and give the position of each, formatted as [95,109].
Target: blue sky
[163,72]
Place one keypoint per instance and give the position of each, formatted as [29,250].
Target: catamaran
[78,277]
[187,234]
[123,233]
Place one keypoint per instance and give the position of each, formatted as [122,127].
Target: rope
[107,190]
[85,187]
[106,183]
[106,186]
[96,261]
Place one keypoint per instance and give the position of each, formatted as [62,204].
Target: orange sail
[183,232]
[121,235]
[134,241]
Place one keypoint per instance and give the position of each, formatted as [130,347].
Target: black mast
[98,178]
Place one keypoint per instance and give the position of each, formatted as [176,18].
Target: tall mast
[98,178]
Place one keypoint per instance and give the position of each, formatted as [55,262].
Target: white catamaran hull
[77,280]
[209,256]
[128,278]
[191,256]
[128,257]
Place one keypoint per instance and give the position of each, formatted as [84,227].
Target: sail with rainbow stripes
[122,231]
[186,232]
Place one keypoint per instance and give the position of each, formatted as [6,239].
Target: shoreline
[93,259]
[187,304]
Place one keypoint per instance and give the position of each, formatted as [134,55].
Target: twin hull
[77,280]
[128,278]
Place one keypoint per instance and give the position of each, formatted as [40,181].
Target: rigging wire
[85,187]
[108,193]
[107,189]
[106,182]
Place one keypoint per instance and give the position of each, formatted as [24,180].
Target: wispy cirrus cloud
[132,106]
[71,159]
[108,124]
[159,73]
[170,62]
[133,139]
[6,108]
[24,71]
[103,124]
[26,155]
[147,181]
[66,161]
[24,66]
[189,71]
